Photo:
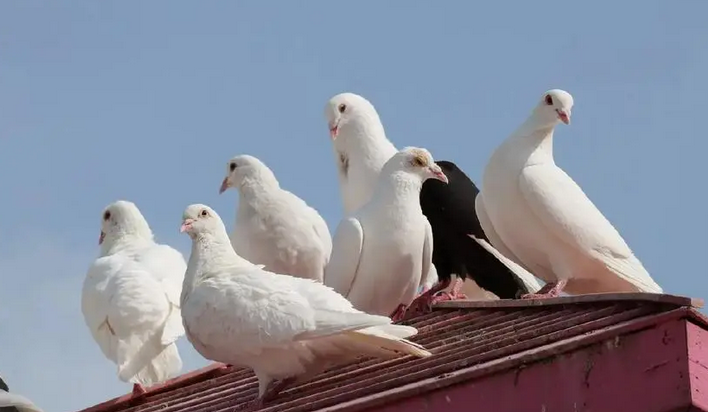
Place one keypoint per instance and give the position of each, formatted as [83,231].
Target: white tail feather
[632,270]
[153,363]
[524,275]
[380,342]
[166,365]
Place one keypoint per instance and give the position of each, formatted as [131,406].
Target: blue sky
[146,101]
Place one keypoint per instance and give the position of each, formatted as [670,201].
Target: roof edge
[512,361]
[565,300]
[683,310]
[215,369]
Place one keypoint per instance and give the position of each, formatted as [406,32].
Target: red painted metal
[644,371]
[565,300]
[697,338]
[471,346]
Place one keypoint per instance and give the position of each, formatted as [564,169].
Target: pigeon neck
[209,251]
[256,184]
[365,137]
[119,242]
[398,188]
[214,247]
[212,243]
[535,136]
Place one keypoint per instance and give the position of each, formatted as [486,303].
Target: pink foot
[454,294]
[424,302]
[138,389]
[549,290]
[399,313]
[443,296]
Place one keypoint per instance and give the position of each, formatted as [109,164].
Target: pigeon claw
[443,296]
[549,290]
[454,294]
[424,302]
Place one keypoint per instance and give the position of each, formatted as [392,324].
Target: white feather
[130,302]
[361,149]
[280,326]
[527,278]
[346,254]
[395,255]
[544,221]
[274,227]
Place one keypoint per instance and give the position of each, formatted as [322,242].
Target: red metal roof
[479,352]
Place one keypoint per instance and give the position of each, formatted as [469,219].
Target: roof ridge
[477,331]
[565,300]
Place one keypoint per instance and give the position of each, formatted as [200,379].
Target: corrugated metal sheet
[460,335]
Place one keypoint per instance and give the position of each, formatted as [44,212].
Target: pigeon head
[199,219]
[555,106]
[122,218]
[243,167]
[416,161]
[347,111]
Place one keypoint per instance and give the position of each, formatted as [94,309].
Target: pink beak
[186,225]
[224,185]
[333,131]
[563,116]
[101,237]
[438,174]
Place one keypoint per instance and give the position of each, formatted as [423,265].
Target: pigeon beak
[438,173]
[101,237]
[333,130]
[224,185]
[186,225]
[563,116]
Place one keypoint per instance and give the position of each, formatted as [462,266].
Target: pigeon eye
[106,215]
[342,108]
[204,213]
[417,161]
[549,100]
[232,166]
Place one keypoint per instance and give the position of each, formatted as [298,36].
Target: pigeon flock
[282,296]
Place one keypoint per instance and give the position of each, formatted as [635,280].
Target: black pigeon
[450,208]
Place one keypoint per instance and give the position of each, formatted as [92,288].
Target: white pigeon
[382,253]
[361,149]
[12,402]
[130,298]
[274,227]
[536,215]
[284,328]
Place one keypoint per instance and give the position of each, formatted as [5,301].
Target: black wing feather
[450,208]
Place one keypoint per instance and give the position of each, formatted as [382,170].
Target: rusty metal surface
[460,339]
